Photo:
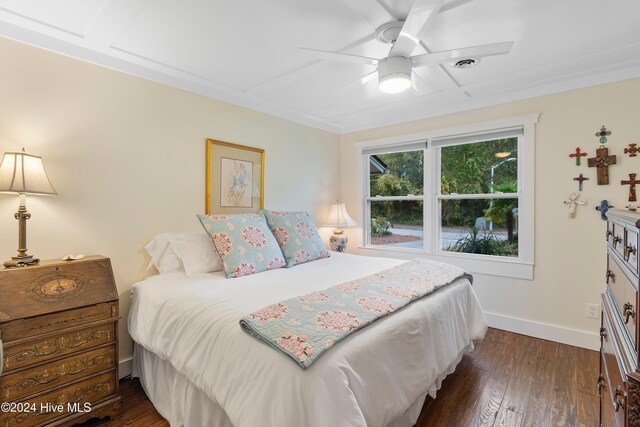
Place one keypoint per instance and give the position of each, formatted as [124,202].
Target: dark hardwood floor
[509,380]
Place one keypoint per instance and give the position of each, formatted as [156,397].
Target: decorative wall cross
[602,161]
[579,154]
[603,208]
[580,180]
[573,202]
[632,150]
[603,134]
[632,186]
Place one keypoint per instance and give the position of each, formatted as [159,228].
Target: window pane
[397,174]
[480,167]
[397,223]
[480,226]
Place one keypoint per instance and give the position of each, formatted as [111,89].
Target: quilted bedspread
[306,326]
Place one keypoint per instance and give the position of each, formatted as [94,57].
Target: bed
[200,369]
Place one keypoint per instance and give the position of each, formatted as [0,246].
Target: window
[465,195]
[395,196]
[478,197]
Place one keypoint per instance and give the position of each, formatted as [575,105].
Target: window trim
[520,267]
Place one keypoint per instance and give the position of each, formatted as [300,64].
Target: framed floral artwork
[234,178]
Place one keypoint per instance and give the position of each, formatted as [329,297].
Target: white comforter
[371,378]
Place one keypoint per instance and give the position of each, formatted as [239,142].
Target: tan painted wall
[127,155]
[569,254]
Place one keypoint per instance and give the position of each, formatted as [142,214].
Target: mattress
[375,377]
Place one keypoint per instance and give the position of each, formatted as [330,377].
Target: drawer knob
[610,275]
[609,234]
[618,402]
[616,240]
[628,251]
[603,333]
[628,312]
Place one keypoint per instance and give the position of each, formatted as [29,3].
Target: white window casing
[522,127]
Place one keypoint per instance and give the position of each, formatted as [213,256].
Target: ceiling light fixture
[394,74]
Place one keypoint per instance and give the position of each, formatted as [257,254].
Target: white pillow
[197,252]
[162,256]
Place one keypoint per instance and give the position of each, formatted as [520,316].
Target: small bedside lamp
[22,174]
[338,217]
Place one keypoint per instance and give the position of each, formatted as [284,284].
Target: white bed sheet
[371,378]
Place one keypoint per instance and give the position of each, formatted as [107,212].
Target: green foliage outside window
[484,243]
[465,169]
[380,227]
[405,177]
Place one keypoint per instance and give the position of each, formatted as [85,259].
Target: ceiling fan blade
[453,4]
[462,53]
[357,82]
[371,11]
[422,14]
[342,57]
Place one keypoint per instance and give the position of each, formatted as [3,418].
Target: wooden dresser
[59,332]
[619,381]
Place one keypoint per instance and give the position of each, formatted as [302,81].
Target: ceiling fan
[395,70]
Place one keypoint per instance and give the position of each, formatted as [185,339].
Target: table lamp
[338,217]
[22,174]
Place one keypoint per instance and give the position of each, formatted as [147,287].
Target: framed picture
[235,178]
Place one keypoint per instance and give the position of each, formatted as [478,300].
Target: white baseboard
[575,337]
[126,367]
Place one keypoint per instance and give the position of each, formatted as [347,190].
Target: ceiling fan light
[394,74]
[394,83]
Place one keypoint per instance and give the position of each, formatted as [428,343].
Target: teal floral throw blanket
[304,327]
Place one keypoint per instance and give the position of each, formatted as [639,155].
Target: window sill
[491,266]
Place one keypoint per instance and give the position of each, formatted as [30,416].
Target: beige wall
[569,254]
[127,157]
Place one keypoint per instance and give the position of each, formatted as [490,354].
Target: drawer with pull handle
[610,233]
[625,297]
[24,328]
[54,374]
[630,250]
[46,407]
[611,381]
[51,347]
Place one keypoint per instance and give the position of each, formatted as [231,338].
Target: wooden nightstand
[59,332]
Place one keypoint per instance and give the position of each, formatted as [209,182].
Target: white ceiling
[245,51]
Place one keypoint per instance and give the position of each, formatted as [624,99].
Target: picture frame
[234,178]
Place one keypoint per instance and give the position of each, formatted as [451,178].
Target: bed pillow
[162,256]
[297,236]
[244,243]
[196,252]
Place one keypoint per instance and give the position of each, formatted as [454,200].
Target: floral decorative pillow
[297,236]
[244,243]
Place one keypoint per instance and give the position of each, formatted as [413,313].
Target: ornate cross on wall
[579,154]
[573,201]
[632,186]
[580,180]
[603,133]
[602,161]
[632,150]
[603,208]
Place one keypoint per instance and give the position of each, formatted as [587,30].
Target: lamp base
[338,242]
[21,261]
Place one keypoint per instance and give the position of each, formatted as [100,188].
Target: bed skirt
[182,404]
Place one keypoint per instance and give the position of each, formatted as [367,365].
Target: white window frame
[518,267]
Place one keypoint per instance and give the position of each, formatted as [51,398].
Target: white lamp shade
[338,217]
[23,173]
